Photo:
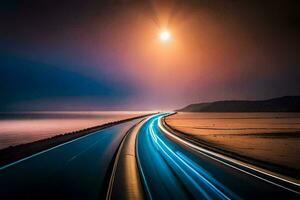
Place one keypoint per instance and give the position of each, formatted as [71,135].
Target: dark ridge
[281,104]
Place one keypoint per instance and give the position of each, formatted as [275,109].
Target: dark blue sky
[103,55]
[31,85]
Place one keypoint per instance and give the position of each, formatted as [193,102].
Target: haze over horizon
[106,55]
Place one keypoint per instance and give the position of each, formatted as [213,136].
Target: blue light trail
[169,171]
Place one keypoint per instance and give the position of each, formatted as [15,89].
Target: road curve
[170,170]
[125,181]
[74,170]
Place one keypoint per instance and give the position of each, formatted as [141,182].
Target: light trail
[227,161]
[168,163]
[198,184]
[187,169]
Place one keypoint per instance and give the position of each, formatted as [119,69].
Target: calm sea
[19,128]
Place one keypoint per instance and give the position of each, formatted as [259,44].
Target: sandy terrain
[271,137]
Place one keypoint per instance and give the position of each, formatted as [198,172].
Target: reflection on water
[18,128]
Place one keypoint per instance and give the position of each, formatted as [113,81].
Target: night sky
[106,55]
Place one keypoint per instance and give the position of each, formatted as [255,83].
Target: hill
[281,104]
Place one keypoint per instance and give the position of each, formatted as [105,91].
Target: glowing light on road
[187,167]
[165,36]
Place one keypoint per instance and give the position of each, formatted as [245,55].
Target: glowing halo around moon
[165,36]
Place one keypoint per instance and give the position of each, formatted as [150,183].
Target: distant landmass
[281,104]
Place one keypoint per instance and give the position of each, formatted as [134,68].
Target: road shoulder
[125,181]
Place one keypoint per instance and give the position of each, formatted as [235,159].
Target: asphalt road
[172,171]
[78,169]
[81,169]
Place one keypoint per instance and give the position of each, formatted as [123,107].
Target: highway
[167,167]
[174,170]
[79,169]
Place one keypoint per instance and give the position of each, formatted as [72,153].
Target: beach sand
[269,137]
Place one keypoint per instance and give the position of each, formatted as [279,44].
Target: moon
[165,36]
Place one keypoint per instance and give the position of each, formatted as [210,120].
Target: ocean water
[24,127]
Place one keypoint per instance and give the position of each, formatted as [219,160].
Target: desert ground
[269,137]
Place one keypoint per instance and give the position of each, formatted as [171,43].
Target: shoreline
[13,153]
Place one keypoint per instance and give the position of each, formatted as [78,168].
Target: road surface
[168,168]
[173,171]
[78,169]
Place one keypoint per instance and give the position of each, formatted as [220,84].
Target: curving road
[78,169]
[169,167]
[173,171]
